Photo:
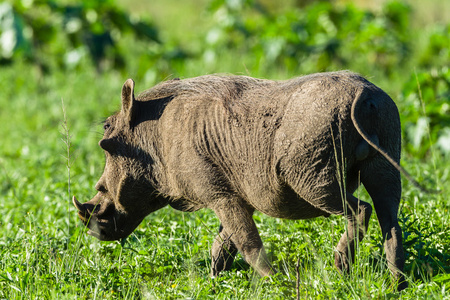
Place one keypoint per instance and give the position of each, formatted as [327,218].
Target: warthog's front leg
[223,252]
[358,215]
[236,219]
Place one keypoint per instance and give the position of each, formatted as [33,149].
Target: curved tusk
[78,205]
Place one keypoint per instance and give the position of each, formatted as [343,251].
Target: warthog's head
[125,191]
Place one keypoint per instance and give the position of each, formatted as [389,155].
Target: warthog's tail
[355,105]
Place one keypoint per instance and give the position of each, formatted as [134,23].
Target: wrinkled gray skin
[289,149]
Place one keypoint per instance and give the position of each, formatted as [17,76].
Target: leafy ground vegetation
[62,65]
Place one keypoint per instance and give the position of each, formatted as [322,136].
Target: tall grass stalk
[433,152]
[67,140]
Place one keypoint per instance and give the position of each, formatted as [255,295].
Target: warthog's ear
[128,101]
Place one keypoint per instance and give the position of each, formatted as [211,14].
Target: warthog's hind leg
[358,214]
[385,190]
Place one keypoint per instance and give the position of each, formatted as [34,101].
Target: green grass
[46,254]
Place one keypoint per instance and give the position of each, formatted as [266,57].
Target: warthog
[294,149]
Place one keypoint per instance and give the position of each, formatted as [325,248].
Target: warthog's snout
[84,210]
[102,219]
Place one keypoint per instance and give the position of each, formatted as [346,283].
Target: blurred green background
[402,46]
[62,66]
